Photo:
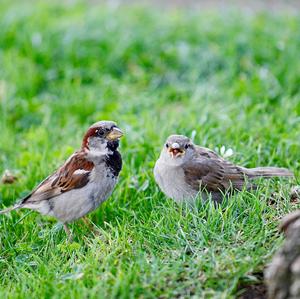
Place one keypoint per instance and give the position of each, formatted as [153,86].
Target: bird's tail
[15,207]
[268,172]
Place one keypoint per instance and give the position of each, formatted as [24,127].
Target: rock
[282,276]
[295,193]
[8,177]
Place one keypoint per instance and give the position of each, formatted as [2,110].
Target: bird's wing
[210,171]
[204,173]
[205,152]
[72,175]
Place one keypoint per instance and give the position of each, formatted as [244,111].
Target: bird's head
[102,136]
[177,150]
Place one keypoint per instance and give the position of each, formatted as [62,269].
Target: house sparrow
[83,182]
[184,170]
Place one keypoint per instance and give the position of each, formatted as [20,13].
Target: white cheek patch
[98,147]
[103,150]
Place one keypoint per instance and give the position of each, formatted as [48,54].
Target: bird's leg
[86,220]
[68,232]
[89,224]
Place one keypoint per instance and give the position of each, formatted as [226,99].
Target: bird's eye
[99,132]
[167,145]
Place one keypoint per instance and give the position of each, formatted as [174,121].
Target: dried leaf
[8,177]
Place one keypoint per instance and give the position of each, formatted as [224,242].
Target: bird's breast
[103,181]
[77,203]
[171,180]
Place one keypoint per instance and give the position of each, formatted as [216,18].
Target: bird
[83,182]
[185,170]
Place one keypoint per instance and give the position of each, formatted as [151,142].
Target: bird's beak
[114,134]
[175,150]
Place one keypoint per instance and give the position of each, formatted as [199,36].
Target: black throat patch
[114,162]
[113,145]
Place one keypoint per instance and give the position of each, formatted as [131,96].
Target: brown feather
[213,173]
[64,179]
[91,132]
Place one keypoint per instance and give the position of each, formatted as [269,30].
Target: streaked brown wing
[204,173]
[212,172]
[72,175]
[205,152]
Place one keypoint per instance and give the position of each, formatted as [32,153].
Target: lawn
[228,79]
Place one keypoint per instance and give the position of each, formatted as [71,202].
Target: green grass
[233,79]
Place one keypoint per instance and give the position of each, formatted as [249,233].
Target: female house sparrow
[83,182]
[184,170]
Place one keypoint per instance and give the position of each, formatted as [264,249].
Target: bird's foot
[68,232]
[91,226]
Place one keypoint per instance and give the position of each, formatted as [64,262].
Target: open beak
[175,150]
[114,134]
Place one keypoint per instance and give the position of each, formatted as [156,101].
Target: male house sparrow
[184,170]
[83,182]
